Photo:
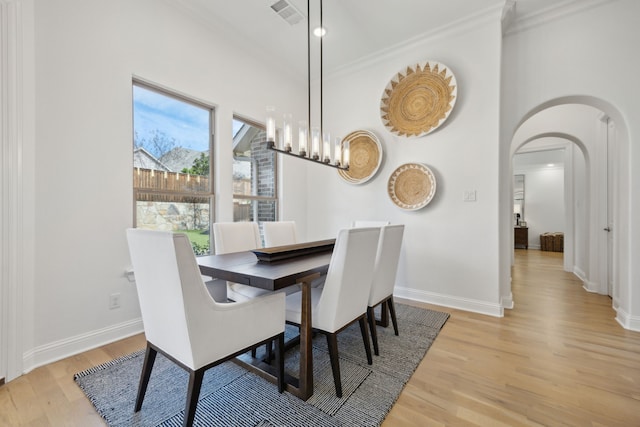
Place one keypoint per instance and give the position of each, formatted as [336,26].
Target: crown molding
[559,10]
[508,14]
[460,26]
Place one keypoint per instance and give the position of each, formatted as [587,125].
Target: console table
[521,237]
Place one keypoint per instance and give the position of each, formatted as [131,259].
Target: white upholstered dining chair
[343,299]
[384,278]
[279,233]
[282,233]
[232,237]
[183,322]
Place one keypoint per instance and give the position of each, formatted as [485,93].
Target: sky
[187,123]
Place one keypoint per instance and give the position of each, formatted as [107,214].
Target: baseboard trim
[465,304]
[590,287]
[507,301]
[59,350]
[580,274]
[627,321]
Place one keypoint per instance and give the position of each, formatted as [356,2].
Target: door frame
[16,31]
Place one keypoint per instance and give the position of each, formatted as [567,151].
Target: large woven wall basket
[418,99]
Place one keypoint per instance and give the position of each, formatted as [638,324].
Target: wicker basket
[553,242]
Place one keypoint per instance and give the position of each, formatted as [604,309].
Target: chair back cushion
[158,282]
[348,283]
[386,268]
[236,237]
[279,233]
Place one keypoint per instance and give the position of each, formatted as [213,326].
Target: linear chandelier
[320,150]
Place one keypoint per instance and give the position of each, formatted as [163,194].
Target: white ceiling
[356,28]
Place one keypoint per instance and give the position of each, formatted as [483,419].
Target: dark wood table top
[244,268]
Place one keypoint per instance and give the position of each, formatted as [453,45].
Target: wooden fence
[159,181]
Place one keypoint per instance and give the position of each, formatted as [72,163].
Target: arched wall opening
[565,184]
[597,130]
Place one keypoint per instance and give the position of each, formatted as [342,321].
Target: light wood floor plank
[558,358]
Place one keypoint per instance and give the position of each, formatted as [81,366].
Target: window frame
[210,192]
[276,172]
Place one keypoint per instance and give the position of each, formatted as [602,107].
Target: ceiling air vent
[287,12]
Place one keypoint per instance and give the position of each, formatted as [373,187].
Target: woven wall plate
[418,99]
[365,156]
[411,186]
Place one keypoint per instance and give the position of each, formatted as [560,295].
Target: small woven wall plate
[411,186]
[418,99]
[365,156]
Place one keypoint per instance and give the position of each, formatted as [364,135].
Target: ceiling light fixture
[320,150]
[320,32]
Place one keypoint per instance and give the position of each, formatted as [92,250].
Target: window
[254,174]
[172,146]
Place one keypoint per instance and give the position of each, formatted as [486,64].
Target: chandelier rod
[308,64]
[309,68]
[321,69]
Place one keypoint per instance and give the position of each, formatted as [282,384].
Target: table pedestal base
[301,387]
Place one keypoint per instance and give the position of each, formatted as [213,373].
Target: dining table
[275,269]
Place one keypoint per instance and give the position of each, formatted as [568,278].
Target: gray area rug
[232,396]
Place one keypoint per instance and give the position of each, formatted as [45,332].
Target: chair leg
[149,359]
[365,338]
[332,343]
[392,310]
[195,382]
[280,361]
[384,317]
[371,319]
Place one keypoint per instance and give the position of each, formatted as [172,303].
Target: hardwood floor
[557,358]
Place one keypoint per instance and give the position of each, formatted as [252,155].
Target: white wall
[86,54]
[545,202]
[570,59]
[450,246]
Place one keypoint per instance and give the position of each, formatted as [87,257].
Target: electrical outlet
[114,301]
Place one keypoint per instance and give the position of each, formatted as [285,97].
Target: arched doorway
[597,131]
[559,168]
